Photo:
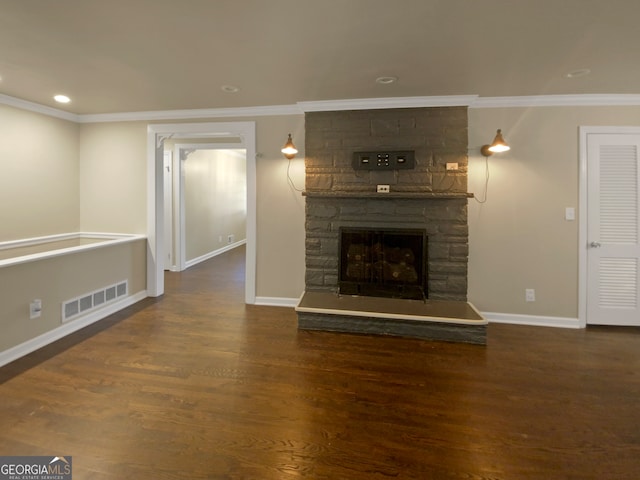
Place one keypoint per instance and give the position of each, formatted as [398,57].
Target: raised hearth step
[432,319]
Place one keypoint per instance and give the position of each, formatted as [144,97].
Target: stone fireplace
[431,197]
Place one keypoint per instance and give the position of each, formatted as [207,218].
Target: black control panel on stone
[395,160]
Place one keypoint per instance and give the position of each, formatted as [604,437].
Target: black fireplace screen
[383,263]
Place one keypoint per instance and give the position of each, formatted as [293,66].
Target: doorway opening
[609,255]
[157,134]
[205,201]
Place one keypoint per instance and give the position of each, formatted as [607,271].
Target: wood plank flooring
[196,385]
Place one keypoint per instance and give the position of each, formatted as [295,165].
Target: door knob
[595,245]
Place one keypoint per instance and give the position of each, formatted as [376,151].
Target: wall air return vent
[98,298]
[93,300]
[110,293]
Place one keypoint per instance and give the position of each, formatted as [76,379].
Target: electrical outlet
[452,165]
[530,295]
[35,308]
[383,189]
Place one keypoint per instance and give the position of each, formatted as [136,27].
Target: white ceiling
[145,55]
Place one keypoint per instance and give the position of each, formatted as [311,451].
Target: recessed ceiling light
[581,72]
[386,80]
[230,89]
[62,99]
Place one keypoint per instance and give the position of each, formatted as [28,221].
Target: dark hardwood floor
[196,385]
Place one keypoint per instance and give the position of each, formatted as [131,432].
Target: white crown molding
[390,102]
[471,101]
[590,100]
[37,108]
[198,113]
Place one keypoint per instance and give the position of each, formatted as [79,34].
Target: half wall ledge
[441,320]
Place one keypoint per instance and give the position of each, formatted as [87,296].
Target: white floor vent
[90,301]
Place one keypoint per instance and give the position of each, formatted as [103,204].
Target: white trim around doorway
[585,131]
[156,134]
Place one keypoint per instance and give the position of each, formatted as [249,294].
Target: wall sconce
[498,145]
[289,150]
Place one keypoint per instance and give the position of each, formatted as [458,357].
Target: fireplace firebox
[383,263]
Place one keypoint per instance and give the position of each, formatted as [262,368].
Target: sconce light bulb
[499,148]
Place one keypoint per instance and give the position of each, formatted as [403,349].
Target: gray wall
[215,206]
[39,179]
[518,239]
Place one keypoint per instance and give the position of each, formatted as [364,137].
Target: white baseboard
[65,329]
[277,301]
[535,320]
[215,253]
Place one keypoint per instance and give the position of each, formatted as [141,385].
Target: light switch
[570,214]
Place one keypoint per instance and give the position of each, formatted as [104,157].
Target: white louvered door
[613,258]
